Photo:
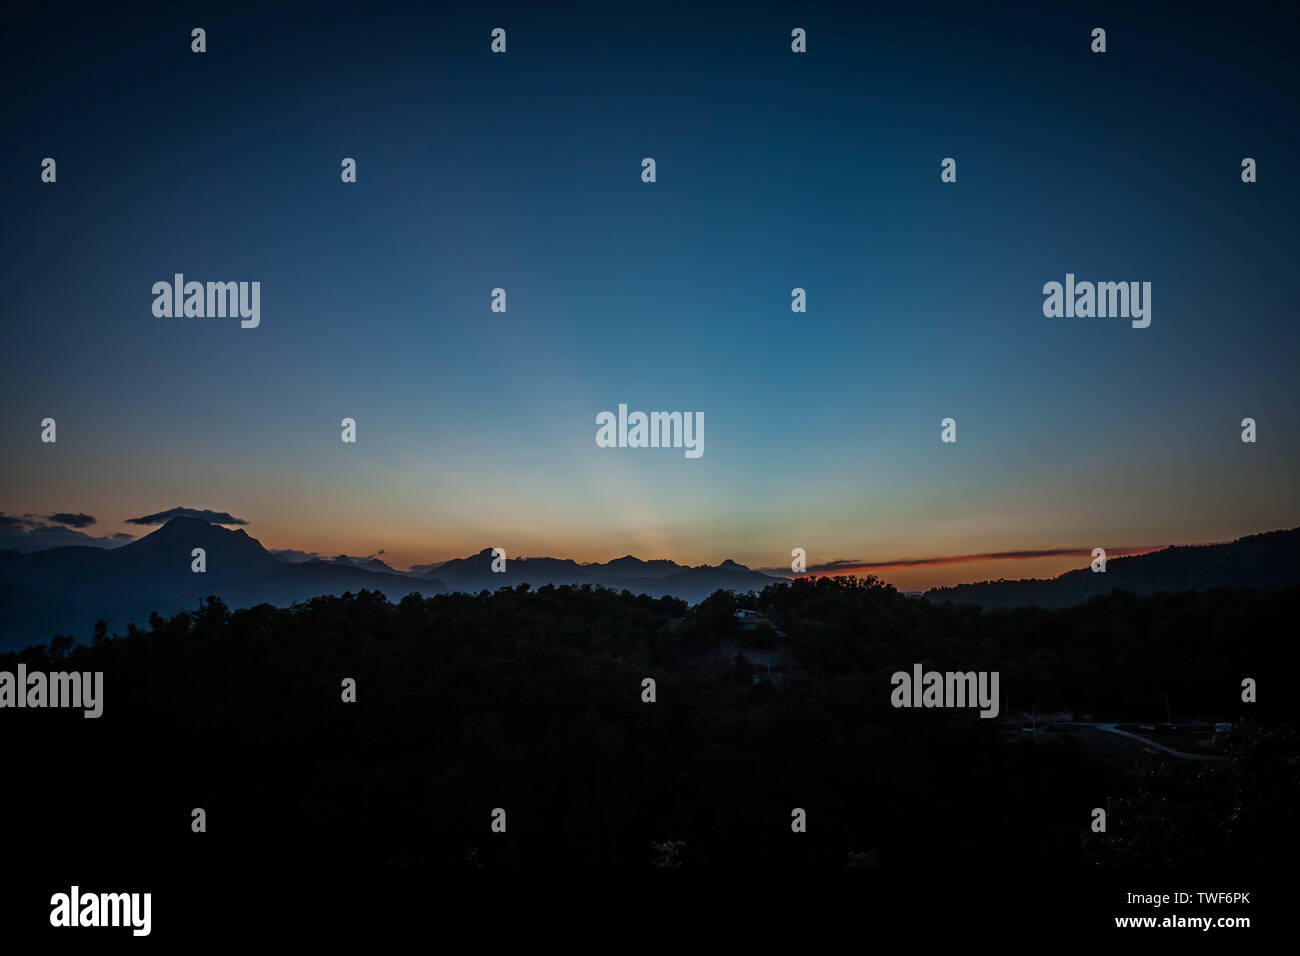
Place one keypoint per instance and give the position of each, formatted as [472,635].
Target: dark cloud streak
[836,566]
[78,520]
[33,533]
[162,517]
[850,566]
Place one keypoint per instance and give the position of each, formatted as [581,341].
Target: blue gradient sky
[774,171]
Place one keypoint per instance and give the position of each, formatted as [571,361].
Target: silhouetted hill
[658,578]
[65,590]
[370,564]
[1269,560]
[532,700]
[632,567]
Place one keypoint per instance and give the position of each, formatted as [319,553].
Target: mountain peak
[227,550]
[190,526]
[182,521]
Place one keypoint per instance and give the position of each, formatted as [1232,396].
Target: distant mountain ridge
[1268,560]
[66,590]
[657,577]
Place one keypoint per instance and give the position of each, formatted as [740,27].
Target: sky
[775,170]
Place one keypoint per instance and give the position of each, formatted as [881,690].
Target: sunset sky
[775,171]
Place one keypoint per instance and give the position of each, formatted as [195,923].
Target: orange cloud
[845,566]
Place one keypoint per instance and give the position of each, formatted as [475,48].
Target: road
[1145,741]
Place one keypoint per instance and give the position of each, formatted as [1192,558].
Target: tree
[669,853]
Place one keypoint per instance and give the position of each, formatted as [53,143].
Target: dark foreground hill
[533,702]
[1270,560]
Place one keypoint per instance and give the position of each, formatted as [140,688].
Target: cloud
[72,520]
[294,556]
[852,566]
[31,533]
[162,517]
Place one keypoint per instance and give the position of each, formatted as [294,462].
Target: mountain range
[66,590]
[1269,560]
[656,578]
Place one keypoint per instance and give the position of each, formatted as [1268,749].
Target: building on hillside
[751,620]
